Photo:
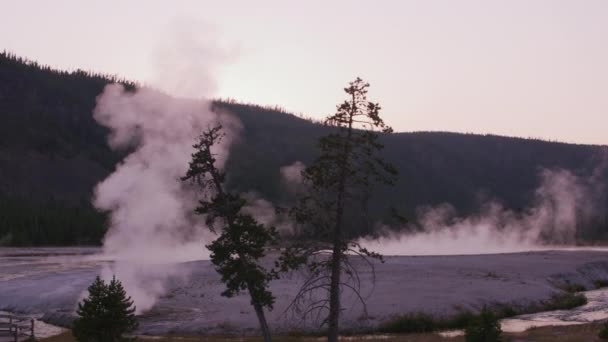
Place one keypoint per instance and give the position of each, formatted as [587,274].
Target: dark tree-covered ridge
[53,153]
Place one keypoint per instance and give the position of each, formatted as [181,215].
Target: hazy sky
[530,68]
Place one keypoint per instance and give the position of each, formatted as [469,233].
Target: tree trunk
[334,294]
[259,311]
[336,257]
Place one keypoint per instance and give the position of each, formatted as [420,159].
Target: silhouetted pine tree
[241,240]
[339,186]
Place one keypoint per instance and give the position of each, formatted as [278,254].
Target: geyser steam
[151,211]
[562,204]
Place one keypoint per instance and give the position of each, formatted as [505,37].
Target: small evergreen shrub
[484,328]
[106,314]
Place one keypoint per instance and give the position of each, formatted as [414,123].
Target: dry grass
[568,333]
[572,333]
[67,337]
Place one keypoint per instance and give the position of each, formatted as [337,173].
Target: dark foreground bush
[484,328]
[604,332]
[411,323]
[106,314]
[422,322]
[564,301]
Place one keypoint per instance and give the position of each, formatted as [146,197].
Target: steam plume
[562,204]
[151,211]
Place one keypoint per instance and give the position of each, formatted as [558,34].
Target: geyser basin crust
[434,284]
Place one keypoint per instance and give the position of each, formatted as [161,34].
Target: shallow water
[595,310]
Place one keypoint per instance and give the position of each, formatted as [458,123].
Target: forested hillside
[52,153]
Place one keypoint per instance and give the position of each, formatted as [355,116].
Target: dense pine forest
[52,154]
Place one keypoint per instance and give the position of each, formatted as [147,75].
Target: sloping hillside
[52,153]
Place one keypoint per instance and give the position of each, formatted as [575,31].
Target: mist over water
[563,203]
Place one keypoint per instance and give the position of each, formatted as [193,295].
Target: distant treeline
[53,153]
[26,222]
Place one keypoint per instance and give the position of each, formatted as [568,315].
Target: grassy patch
[409,323]
[572,287]
[571,333]
[412,323]
[564,301]
[424,323]
[67,337]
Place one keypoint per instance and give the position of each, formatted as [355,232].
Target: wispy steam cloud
[188,60]
[562,204]
[292,174]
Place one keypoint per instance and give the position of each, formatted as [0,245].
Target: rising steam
[562,204]
[292,174]
[151,211]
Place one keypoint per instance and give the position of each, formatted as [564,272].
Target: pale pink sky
[530,68]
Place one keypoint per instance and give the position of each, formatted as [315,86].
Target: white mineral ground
[50,282]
